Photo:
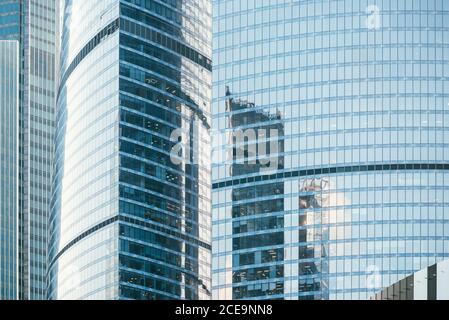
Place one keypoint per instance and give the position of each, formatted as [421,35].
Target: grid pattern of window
[32,23]
[10,19]
[9,168]
[361,198]
[127,222]
[165,85]
[37,36]
[83,252]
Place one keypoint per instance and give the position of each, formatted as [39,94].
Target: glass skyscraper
[37,121]
[128,220]
[359,93]
[9,168]
[32,24]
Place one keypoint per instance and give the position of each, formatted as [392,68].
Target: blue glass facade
[126,221]
[9,165]
[10,19]
[32,24]
[359,199]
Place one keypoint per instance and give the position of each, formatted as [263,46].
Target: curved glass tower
[359,196]
[127,221]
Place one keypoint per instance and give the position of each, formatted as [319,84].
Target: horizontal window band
[151,35]
[166,42]
[333,170]
[165,231]
[82,236]
[88,48]
[133,221]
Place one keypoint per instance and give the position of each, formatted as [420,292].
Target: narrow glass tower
[9,164]
[31,24]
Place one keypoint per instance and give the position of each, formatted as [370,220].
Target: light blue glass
[9,164]
[126,221]
[10,19]
[360,91]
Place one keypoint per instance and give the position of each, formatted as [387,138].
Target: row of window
[167,42]
[159,216]
[334,170]
[175,240]
[91,45]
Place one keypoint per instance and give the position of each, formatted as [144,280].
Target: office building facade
[10,23]
[32,25]
[361,89]
[9,164]
[130,217]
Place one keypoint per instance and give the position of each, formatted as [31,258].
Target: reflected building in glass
[361,200]
[128,221]
[257,240]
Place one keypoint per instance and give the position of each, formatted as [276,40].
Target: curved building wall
[86,168]
[362,88]
[127,222]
